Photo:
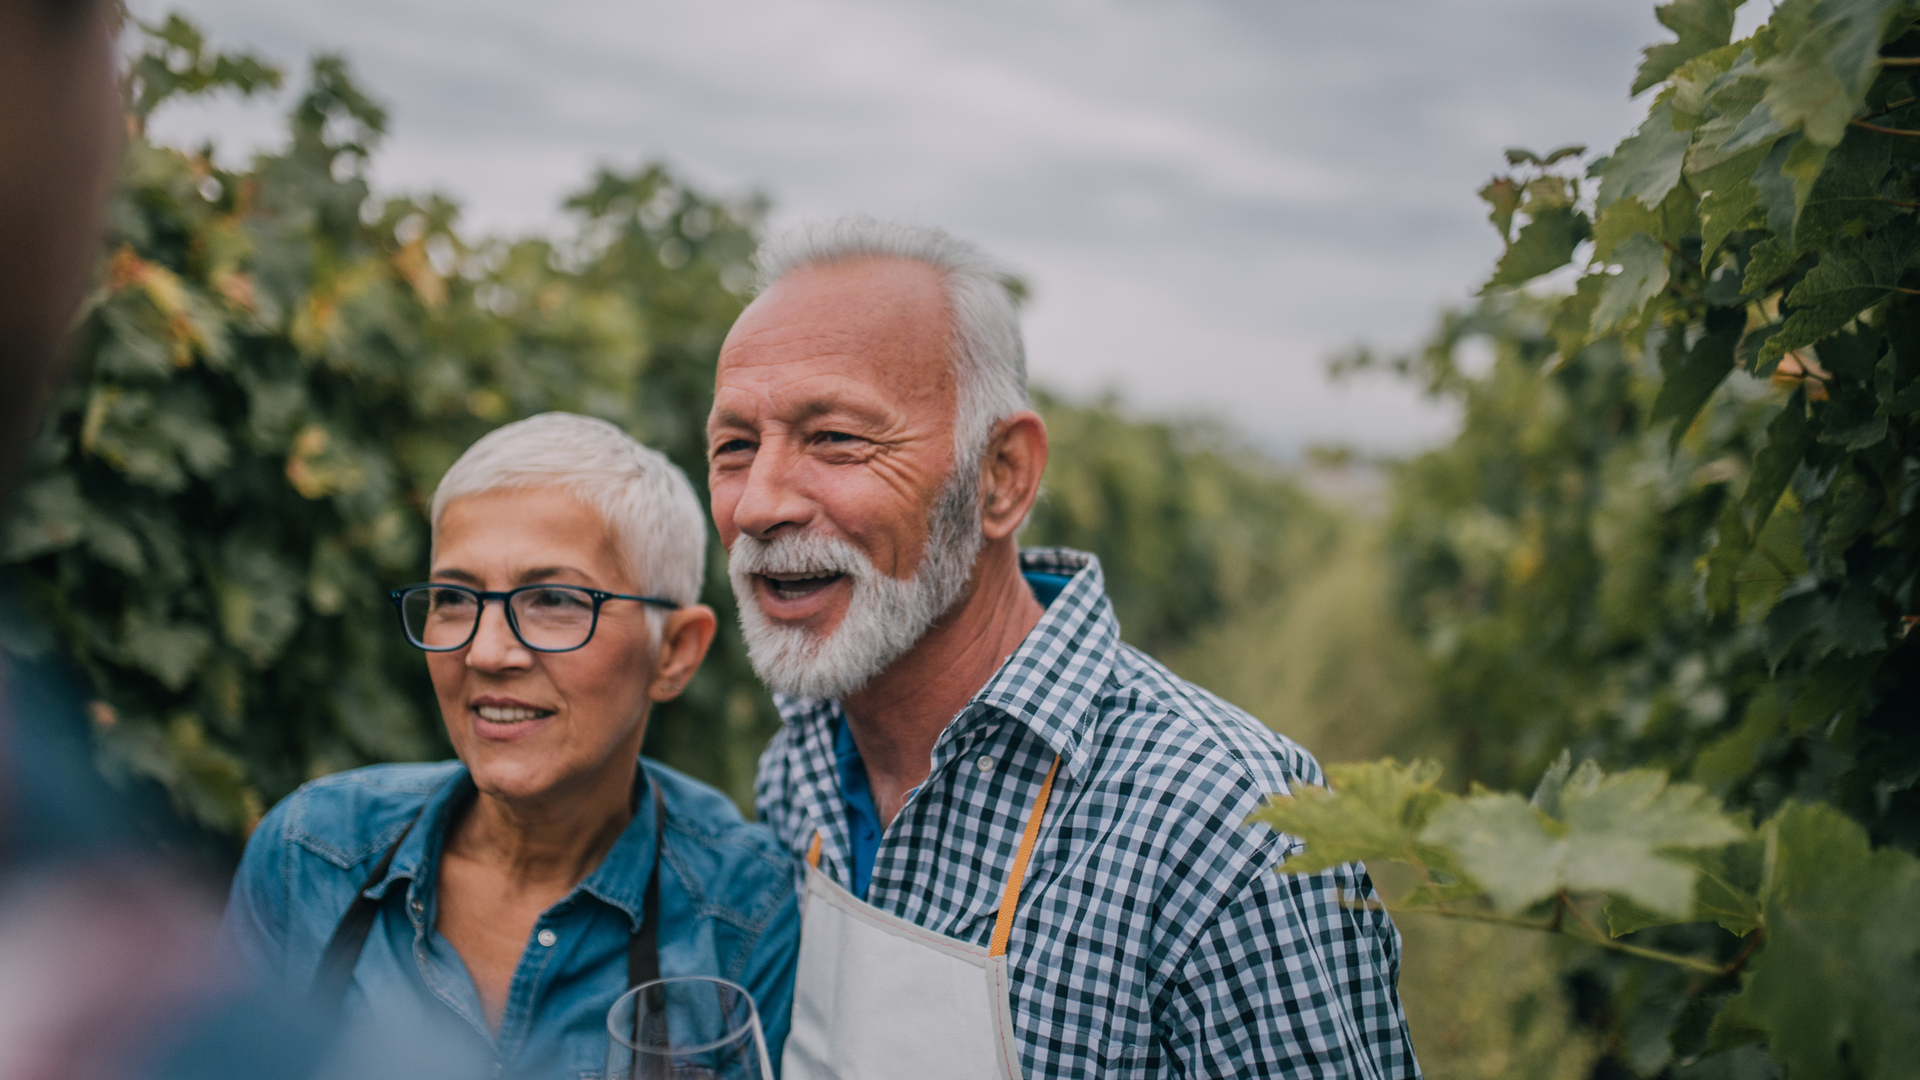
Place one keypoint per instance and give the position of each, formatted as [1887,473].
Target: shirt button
[985,764]
[546,937]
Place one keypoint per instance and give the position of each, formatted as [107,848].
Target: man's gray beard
[885,618]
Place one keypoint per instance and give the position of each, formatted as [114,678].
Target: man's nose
[773,497]
[494,647]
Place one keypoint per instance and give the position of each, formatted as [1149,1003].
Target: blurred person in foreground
[103,945]
[1024,840]
[501,902]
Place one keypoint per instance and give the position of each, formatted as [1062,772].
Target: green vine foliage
[273,373]
[1678,536]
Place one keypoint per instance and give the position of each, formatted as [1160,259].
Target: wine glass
[688,1028]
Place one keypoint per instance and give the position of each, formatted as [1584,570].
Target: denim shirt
[727,908]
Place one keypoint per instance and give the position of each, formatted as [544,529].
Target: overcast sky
[1207,197]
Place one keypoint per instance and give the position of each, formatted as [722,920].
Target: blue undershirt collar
[862,813]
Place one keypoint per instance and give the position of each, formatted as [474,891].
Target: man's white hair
[650,511]
[989,356]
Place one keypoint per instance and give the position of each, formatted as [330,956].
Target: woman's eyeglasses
[546,618]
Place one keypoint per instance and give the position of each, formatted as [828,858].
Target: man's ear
[683,644]
[1010,481]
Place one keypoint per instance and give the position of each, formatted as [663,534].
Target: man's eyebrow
[810,410]
[727,418]
[455,574]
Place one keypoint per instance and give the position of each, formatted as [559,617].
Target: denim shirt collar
[620,880]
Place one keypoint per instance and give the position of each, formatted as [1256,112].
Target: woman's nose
[494,646]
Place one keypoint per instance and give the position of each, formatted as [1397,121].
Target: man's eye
[732,446]
[836,437]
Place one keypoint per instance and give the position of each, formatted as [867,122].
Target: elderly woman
[498,904]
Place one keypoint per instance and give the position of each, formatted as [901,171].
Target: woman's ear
[684,641]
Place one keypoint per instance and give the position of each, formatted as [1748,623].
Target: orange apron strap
[813,852]
[1003,926]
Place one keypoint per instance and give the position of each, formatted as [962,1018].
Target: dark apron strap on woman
[343,949]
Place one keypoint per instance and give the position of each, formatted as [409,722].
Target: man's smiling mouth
[797,586]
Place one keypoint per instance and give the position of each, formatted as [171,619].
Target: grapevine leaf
[258,596]
[1619,221]
[167,651]
[1696,81]
[1621,829]
[1545,244]
[1728,890]
[1784,179]
[48,514]
[1834,989]
[1374,811]
[1845,196]
[1738,1063]
[1643,273]
[1852,275]
[1732,755]
[1845,621]
[1774,465]
[1821,79]
[1769,261]
[1572,324]
[1724,893]
[1618,836]
[1684,390]
[1647,164]
[1833,686]
[1624,917]
[1502,195]
[1724,211]
[1701,24]
[1546,794]
[1741,122]
[1502,843]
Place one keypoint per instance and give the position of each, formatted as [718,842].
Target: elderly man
[1024,840]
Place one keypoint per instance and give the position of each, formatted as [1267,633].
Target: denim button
[546,937]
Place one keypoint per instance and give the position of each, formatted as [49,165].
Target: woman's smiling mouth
[508,712]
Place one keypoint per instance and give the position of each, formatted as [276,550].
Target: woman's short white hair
[645,501]
[989,357]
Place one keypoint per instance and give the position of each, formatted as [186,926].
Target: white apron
[878,998]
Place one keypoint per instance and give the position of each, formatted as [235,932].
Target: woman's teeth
[507,714]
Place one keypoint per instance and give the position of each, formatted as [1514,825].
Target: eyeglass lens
[555,617]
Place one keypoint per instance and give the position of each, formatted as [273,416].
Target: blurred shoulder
[724,860]
[347,817]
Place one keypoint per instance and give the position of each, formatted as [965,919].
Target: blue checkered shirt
[1153,938]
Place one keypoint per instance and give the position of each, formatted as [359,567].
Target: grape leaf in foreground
[1618,834]
[1835,985]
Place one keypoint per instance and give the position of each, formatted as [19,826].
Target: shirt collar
[1051,681]
[620,880]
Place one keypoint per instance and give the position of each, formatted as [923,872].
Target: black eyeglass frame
[600,596]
